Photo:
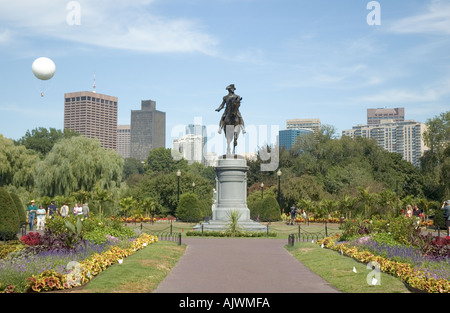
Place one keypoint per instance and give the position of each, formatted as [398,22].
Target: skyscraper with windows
[313,124]
[405,138]
[148,130]
[123,140]
[375,116]
[92,115]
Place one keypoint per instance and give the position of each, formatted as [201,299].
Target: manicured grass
[338,270]
[140,272]
[281,229]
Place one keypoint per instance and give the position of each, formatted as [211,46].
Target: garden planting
[68,254]
[400,248]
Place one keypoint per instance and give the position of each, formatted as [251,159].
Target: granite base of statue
[231,196]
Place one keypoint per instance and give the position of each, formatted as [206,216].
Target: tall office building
[288,137]
[123,140]
[92,115]
[375,116]
[313,124]
[148,130]
[405,138]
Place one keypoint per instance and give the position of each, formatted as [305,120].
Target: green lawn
[140,272]
[280,228]
[144,270]
[338,270]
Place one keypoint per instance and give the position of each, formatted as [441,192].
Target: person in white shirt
[41,212]
[64,211]
[77,209]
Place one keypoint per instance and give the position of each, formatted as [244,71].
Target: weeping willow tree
[78,163]
[17,164]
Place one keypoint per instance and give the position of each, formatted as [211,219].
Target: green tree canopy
[42,139]
[78,163]
[161,160]
[17,164]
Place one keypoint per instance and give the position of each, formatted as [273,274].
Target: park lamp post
[193,187]
[262,191]
[178,175]
[279,189]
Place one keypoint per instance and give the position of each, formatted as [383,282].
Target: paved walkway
[240,265]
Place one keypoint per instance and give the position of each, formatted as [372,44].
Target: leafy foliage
[189,208]
[78,163]
[9,217]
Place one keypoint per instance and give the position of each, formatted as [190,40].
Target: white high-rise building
[405,138]
[190,147]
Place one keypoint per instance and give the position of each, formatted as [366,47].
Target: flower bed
[415,277]
[80,272]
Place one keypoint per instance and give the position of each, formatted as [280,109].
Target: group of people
[294,211]
[410,211]
[40,213]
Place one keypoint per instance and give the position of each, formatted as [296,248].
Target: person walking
[41,213]
[52,210]
[86,210]
[31,214]
[77,210]
[64,211]
[446,214]
[294,211]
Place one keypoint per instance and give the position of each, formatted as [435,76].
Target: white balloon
[43,68]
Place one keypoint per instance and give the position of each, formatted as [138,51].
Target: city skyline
[287,59]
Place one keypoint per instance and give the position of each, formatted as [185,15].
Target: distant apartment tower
[375,116]
[123,140]
[405,138]
[313,124]
[148,130]
[192,146]
[189,147]
[92,115]
[288,137]
[199,130]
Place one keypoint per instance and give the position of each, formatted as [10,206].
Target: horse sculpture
[231,122]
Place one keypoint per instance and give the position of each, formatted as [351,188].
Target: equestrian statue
[231,122]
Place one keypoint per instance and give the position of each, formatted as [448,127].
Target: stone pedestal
[231,195]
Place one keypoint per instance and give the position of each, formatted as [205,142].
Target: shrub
[19,207]
[9,219]
[189,208]
[270,210]
[31,239]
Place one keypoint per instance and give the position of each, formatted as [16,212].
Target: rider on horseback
[232,102]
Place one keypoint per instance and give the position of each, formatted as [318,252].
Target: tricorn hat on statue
[231,86]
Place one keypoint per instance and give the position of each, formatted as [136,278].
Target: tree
[42,139]
[270,210]
[21,210]
[9,218]
[189,208]
[161,160]
[436,162]
[78,163]
[17,164]
[131,167]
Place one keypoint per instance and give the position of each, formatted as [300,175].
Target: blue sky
[287,59]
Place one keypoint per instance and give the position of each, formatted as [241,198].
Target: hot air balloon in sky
[43,69]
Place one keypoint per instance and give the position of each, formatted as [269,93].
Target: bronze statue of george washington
[231,117]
